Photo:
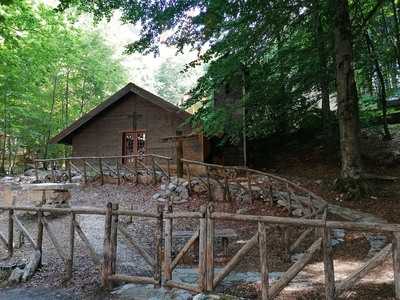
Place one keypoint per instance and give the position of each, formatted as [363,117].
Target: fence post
[36,170]
[179,155]
[189,174]
[203,250]
[210,249]
[248,175]
[114,238]
[101,171]
[106,270]
[168,244]
[118,173]
[329,271]
[40,228]
[130,219]
[53,176]
[84,171]
[159,235]
[154,170]
[396,264]
[10,232]
[137,171]
[70,262]
[262,242]
[209,184]
[68,162]
[169,170]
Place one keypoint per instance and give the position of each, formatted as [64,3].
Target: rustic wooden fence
[255,183]
[98,167]
[208,278]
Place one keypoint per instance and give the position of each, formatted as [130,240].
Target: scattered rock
[243,210]
[148,292]
[76,179]
[31,267]
[297,212]
[16,276]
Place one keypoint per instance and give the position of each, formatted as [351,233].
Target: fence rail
[205,236]
[255,183]
[270,186]
[120,166]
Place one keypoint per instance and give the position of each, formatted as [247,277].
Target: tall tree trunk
[66,109]
[4,144]
[396,30]
[67,100]
[320,40]
[347,98]
[9,155]
[83,97]
[382,86]
[53,100]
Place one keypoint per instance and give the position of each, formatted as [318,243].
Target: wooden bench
[224,234]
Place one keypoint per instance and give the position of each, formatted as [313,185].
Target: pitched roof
[64,137]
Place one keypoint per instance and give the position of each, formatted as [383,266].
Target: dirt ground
[86,278]
[315,168]
[309,167]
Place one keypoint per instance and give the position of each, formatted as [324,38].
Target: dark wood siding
[102,136]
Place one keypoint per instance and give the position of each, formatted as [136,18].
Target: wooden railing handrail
[81,211]
[102,157]
[356,226]
[273,176]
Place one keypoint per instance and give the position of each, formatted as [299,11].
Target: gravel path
[86,278]
[48,282]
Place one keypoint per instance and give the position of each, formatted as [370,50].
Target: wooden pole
[356,276]
[85,172]
[262,243]
[95,257]
[168,245]
[154,171]
[157,258]
[106,270]
[244,135]
[226,184]
[329,271]
[210,249]
[236,259]
[286,239]
[36,170]
[396,264]
[137,171]
[283,281]
[114,238]
[52,166]
[179,155]
[10,232]
[70,261]
[118,173]
[130,220]
[203,251]
[209,184]
[39,240]
[248,175]
[189,179]
[101,171]
[169,170]
[68,162]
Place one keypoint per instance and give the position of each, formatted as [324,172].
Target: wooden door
[133,143]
